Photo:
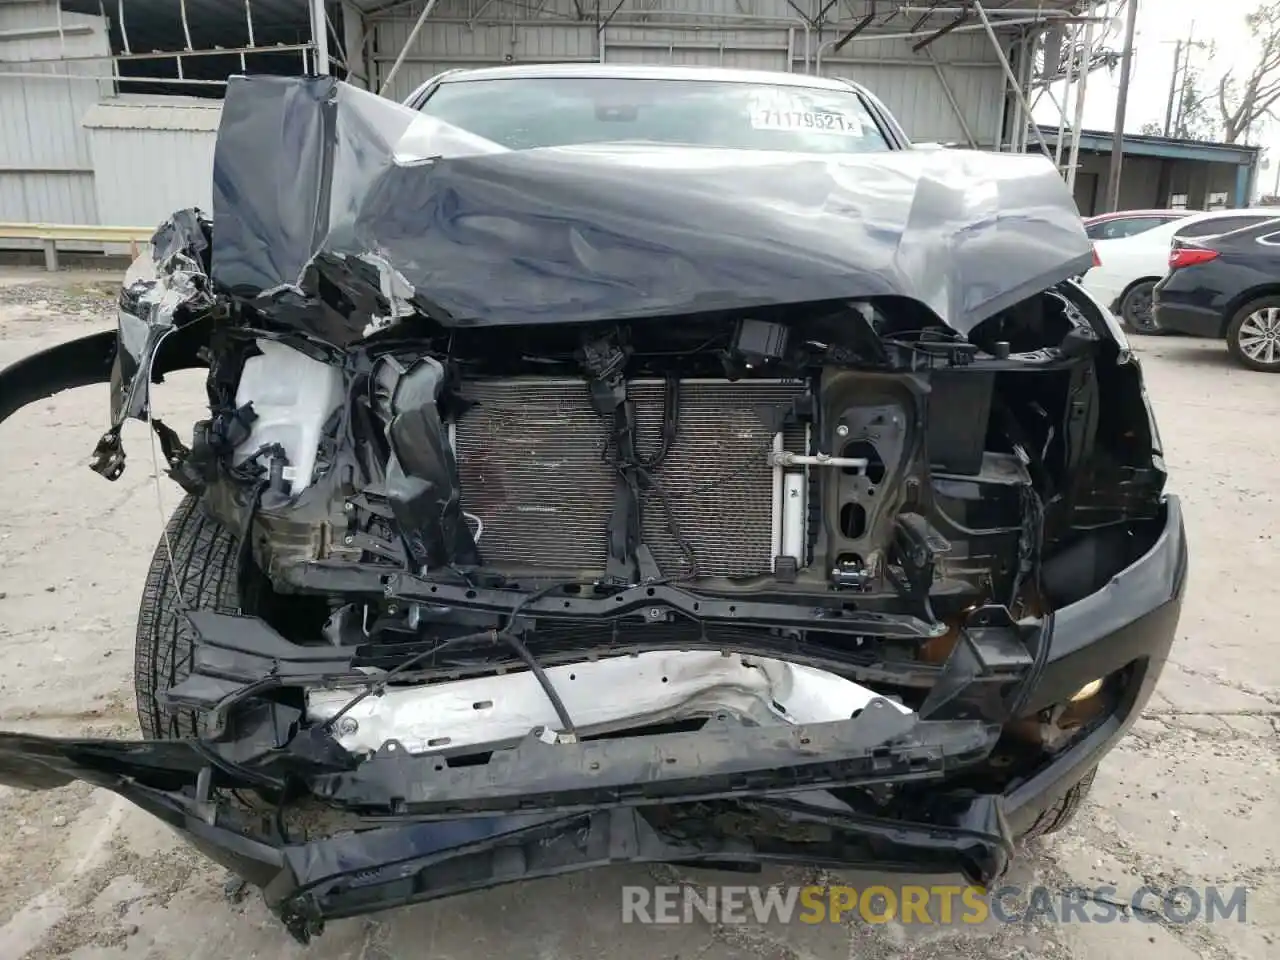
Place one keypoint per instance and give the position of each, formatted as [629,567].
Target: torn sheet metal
[422,474]
[158,295]
[319,188]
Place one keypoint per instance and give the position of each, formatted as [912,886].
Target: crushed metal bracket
[108,455]
[913,557]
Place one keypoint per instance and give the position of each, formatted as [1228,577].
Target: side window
[1114,229]
[1128,228]
[1218,225]
[1106,230]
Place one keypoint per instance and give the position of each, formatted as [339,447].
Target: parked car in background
[1128,268]
[1128,223]
[1228,287]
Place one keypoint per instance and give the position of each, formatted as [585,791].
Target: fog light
[1090,689]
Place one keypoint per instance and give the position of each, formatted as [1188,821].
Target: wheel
[205,569]
[1135,308]
[1064,811]
[1253,335]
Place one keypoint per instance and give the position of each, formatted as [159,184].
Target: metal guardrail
[50,234]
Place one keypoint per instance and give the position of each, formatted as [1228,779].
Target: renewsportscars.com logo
[930,905]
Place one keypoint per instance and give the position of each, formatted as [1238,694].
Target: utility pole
[1122,105]
[1175,107]
[1188,45]
[1173,87]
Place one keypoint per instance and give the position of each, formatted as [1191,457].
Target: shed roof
[1169,148]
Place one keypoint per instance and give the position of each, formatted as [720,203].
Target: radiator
[531,459]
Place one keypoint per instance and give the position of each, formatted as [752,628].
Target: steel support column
[408,43]
[1122,104]
[1010,76]
[353,40]
[951,98]
[1073,156]
[1070,40]
[319,36]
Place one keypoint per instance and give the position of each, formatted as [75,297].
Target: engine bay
[782,515]
[830,449]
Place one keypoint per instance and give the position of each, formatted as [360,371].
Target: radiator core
[532,464]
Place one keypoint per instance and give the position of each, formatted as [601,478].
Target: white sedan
[1128,268]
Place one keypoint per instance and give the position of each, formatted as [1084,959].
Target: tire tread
[1064,811]
[205,567]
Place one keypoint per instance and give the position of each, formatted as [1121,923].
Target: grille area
[531,458]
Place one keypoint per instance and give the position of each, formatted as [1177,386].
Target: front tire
[204,575]
[1059,815]
[1253,335]
[1136,311]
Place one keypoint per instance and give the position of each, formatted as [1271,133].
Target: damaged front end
[573,524]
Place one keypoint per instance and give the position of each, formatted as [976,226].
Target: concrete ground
[1189,798]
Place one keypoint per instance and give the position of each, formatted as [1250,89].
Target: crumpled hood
[328,196]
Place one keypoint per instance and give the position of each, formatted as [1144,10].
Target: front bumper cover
[725,796]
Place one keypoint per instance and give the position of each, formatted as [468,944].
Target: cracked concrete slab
[1187,800]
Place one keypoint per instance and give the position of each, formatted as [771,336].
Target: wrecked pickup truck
[621,464]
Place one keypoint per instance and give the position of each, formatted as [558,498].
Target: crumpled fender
[82,362]
[76,363]
[162,296]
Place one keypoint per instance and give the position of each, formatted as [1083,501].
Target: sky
[1160,24]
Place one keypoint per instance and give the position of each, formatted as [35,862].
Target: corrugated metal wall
[912,89]
[700,32]
[164,144]
[46,173]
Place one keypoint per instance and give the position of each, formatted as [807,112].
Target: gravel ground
[1188,798]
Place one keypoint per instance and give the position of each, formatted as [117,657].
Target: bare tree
[1243,101]
[1194,120]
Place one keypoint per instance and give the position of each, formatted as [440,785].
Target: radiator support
[533,469]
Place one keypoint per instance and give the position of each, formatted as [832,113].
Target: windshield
[529,112]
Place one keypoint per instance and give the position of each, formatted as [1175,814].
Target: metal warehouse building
[108,108]
[1162,172]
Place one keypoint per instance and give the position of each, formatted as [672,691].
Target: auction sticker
[802,115]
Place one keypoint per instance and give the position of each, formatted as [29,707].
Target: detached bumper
[727,795]
[723,796]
